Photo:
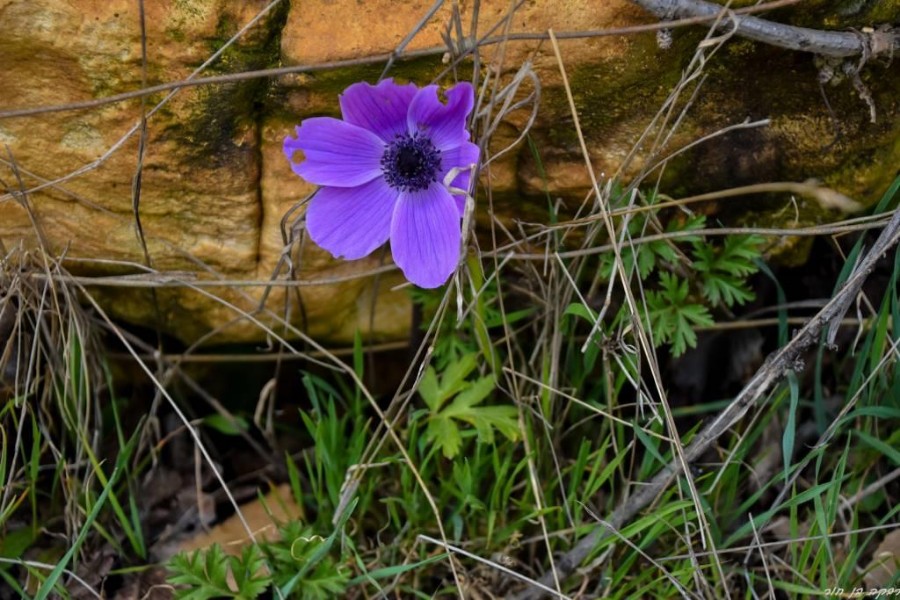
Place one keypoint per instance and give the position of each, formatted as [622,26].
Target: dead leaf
[885,562]
[262,516]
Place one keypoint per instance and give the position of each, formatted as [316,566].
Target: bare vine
[865,44]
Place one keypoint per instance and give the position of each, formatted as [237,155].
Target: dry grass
[57,383]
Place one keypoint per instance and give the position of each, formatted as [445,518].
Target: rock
[215,184]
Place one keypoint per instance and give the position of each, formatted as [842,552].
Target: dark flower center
[411,163]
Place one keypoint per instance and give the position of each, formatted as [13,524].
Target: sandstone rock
[215,185]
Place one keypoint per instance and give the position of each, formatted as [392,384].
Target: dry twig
[840,44]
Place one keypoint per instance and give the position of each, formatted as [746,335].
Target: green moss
[831,14]
[222,112]
[644,73]
[419,71]
[736,3]
[183,14]
[883,11]
[324,87]
[867,172]
[189,9]
[840,14]
[176,34]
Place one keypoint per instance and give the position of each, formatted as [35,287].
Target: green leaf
[453,377]
[723,270]
[725,289]
[675,288]
[445,434]
[429,389]
[790,427]
[646,258]
[671,317]
[580,310]
[443,426]
[691,223]
[228,426]
[15,543]
[469,397]
[250,573]
[314,573]
[510,318]
[205,572]
[663,249]
[504,419]
[395,570]
[326,582]
[889,450]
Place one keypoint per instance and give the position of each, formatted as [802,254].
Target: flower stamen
[411,163]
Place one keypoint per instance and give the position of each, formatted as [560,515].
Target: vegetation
[567,366]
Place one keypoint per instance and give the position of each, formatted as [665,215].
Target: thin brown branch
[839,44]
[266,357]
[813,230]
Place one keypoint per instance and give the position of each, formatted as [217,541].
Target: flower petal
[351,222]
[337,153]
[462,157]
[445,124]
[425,235]
[379,108]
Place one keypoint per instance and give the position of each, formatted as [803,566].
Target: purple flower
[382,172]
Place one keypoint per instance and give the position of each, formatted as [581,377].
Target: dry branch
[775,366]
[838,44]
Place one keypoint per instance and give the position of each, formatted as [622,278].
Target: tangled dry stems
[42,319]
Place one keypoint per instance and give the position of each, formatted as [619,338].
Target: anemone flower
[383,171]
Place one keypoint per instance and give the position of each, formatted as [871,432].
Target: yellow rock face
[215,185]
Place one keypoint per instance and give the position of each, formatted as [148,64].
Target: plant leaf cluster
[685,277]
[454,400]
[298,564]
